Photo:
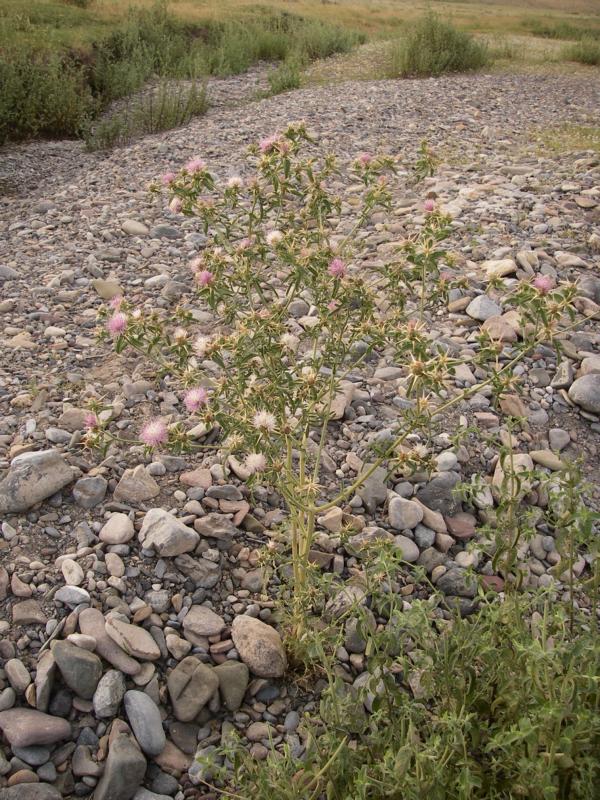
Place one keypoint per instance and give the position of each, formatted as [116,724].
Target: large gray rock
[483,307]
[259,646]
[374,490]
[124,771]
[92,623]
[146,723]
[24,726]
[31,478]
[202,621]
[233,682]
[191,685]
[109,693]
[30,791]
[438,494]
[585,392]
[167,535]
[80,669]
[404,514]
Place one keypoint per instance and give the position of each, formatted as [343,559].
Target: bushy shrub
[169,106]
[286,77]
[42,95]
[587,51]
[434,47]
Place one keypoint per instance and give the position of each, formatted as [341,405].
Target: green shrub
[286,77]
[561,30]
[167,107]
[587,51]
[42,96]
[434,47]
[502,704]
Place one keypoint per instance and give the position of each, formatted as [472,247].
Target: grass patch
[169,106]
[434,47]
[286,77]
[570,138]
[560,29]
[587,51]
[49,91]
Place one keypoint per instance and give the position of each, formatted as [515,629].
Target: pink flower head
[246,242]
[365,159]
[428,206]
[116,302]
[195,165]
[154,433]
[267,145]
[194,398]
[235,182]
[337,268]
[176,205]
[205,277]
[332,305]
[90,420]
[116,324]
[544,283]
[168,178]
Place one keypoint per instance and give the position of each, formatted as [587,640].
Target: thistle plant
[297,313]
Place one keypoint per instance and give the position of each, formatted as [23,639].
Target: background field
[64,62]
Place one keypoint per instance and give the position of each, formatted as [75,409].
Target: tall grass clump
[561,29]
[587,51]
[434,47]
[167,107]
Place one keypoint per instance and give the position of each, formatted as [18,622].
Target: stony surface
[137,624]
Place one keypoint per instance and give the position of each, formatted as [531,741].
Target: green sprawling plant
[586,51]
[270,384]
[434,47]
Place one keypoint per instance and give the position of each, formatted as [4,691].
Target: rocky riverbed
[136,626]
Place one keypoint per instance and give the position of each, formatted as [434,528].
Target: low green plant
[587,51]
[276,385]
[502,704]
[561,29]
[166,107]
[286,77]
[434,47]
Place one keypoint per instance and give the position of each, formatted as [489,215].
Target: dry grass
[568,138]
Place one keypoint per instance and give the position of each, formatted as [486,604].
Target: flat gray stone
[31,478]
[166,535]
[146,723]
[124,771]
[80,669]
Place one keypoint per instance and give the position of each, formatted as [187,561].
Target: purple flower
[365,159]
[168,178]
[267,145]
[429,206]
[116,302]
[154,433]
[90,421]
[195,165]
[194,398]
[544,283]
[337,268]
[116,324]
[205,277]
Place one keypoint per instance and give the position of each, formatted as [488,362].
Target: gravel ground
[105,596]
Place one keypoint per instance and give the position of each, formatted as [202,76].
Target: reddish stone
[461,526]
[493,582]
[199,477]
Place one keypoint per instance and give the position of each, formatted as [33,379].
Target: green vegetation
[50,92]
[561,29]
[587,51]
[434,47]
[169,106]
